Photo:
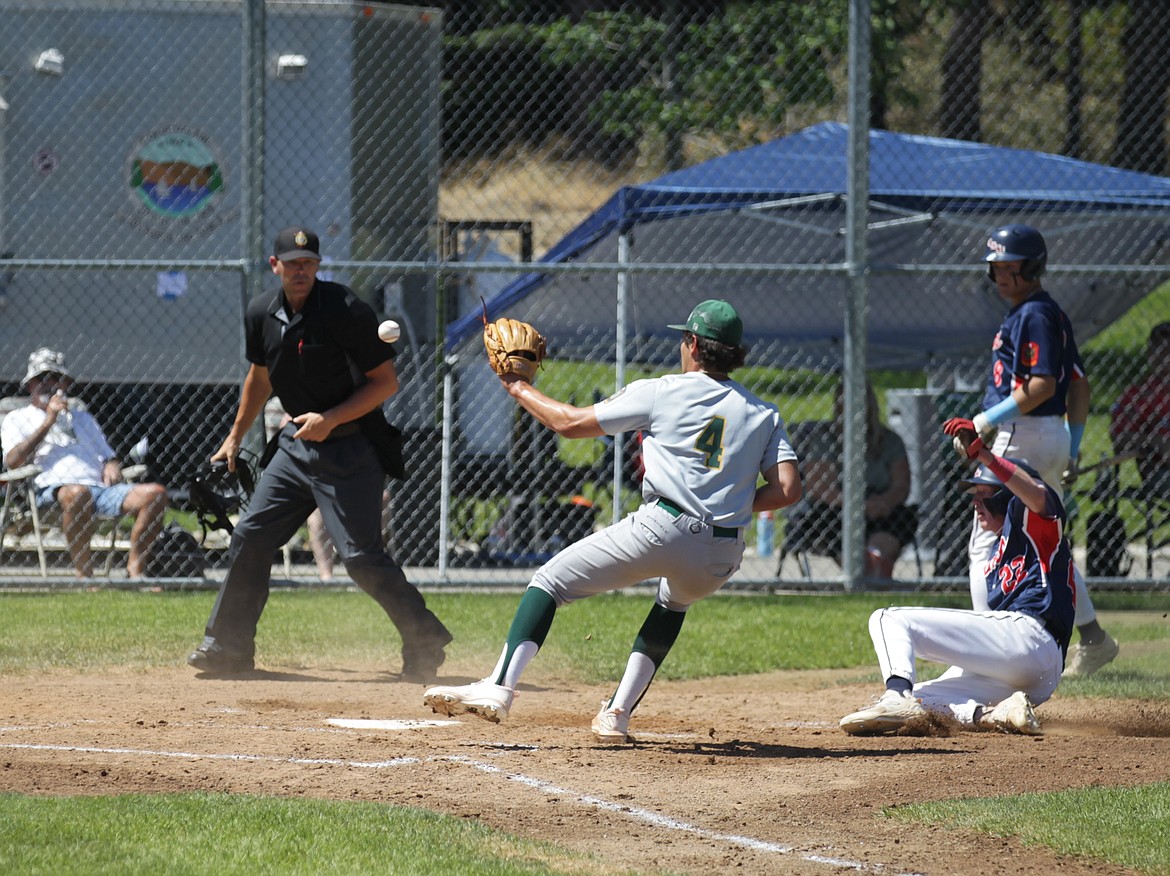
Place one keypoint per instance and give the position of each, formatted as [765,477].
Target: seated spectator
[889,524]
[1141,415]
[79,470]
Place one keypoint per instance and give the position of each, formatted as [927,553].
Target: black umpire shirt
[318,357]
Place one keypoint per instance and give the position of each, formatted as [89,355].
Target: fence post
[252,170]
[856,222]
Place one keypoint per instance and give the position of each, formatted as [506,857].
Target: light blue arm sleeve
[1008,409]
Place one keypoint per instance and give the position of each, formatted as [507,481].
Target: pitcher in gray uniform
[708,442]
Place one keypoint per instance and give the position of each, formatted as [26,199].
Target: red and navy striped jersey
[1031,570]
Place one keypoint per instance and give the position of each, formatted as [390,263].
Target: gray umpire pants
[342,477]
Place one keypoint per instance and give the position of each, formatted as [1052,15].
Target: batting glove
[964,437]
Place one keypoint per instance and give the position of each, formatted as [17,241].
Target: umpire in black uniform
[314,344]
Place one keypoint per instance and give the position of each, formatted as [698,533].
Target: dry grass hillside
[554,194]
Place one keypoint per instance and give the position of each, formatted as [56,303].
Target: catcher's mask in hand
[215,492]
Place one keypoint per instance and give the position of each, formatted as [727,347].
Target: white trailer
[122,209]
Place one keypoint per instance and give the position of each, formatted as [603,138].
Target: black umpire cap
[297,242]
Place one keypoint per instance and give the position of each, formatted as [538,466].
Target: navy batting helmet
[1017,243]
[996,504]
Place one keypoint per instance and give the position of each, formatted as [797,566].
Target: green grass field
[730,635]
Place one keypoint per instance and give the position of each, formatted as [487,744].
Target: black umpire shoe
[421,660]
[211,660]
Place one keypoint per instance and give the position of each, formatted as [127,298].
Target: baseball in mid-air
[389,331]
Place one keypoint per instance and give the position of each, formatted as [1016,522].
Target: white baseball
[389,331]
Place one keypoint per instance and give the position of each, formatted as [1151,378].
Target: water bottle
[765,530]
[65,420]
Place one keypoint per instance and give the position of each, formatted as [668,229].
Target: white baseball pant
[990,654]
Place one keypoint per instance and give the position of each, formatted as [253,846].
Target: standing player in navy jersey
[1007,658]
[1037,378]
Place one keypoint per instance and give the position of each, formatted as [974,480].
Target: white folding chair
[20,517]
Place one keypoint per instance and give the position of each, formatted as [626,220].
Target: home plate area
[750,772]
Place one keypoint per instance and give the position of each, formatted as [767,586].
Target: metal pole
[252,147]
[619,379]
[445,465]
[252,170]
[856,213]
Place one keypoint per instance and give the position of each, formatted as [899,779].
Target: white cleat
[1084,660]
[889,712]
[484,699]
[1013,715]
[612,725]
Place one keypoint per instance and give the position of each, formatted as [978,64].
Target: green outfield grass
[730,635]
[589,641]
[184,835]
[1128,826]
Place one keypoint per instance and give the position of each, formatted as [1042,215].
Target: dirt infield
[746,773]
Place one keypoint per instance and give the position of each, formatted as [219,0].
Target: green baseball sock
[659,632]
[533,619]
[652,644]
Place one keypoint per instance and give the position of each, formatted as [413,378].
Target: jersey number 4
[710,442]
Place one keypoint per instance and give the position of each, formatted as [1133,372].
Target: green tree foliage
[604,78]
[892,22]
[612,78]
[734,74]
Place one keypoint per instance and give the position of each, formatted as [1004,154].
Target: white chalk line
[53,725]
[342,726]
[194,755]
[545,787]
[664,821]
[336,725]
[378,724]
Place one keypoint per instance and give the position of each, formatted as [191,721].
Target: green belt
[674,511]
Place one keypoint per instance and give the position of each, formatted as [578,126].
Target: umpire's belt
[344,430]
[674,511]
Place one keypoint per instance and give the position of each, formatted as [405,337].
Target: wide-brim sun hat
[45,361]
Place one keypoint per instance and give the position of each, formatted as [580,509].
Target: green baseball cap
[716,320]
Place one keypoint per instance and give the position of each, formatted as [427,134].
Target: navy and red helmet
[996,504]
[1017,243]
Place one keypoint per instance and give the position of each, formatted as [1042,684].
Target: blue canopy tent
[776,213]
[932,202]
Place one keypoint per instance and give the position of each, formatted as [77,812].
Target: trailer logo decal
[175,178]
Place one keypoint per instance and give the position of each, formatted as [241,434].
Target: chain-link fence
[646,156]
